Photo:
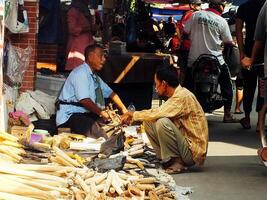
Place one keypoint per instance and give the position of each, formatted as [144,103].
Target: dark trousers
[250,84]
[226,86]
[85,124]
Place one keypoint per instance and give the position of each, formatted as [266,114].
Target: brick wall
[47,53]
[29,39]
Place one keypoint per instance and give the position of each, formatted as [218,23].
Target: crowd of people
[178,129]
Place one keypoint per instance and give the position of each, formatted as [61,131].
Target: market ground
[232,170]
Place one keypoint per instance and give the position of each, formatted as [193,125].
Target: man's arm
[91,106]
[257,48]
[239,37]
[116,99]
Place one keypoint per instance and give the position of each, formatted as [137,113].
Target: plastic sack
[113,145]
[14,11]
[18,62]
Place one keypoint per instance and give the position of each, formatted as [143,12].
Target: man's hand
[127,118]
[104,115]
[246,62]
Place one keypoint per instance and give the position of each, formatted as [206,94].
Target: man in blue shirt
[81,101]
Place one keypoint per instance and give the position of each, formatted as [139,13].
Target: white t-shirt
[207,31]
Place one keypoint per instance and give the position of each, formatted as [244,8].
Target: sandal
[172,170]
[245,123]
[238,112]
[230,120]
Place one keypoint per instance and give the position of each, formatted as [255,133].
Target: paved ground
[232,170]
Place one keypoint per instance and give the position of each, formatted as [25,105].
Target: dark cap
[219,2]
[195,2]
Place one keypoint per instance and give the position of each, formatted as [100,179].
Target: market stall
[131,75]
[71,166]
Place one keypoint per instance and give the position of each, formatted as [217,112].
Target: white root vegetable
[116,183]
[89,174]
[94,190]
[136,148]
[83,185]
[160,187]
[7,136]
[8,196]
[146,180]
[7,150]
[63,155]
[100,178]
[16,150]
[8,158]
[153,196]
[12,143]
[162,191]
[41,168]
[108,182]
[14,171]
[137,162]
[134,190]
[36,184]
[136,153]
[145,186]
[100,187]
[61,161]
[112,190]
[14,187]
[134,173]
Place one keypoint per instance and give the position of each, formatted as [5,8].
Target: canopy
[233,2]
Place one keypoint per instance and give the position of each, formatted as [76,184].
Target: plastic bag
[14,11]
[113,145]
[18,62]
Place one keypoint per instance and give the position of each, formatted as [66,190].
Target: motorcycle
[205,73]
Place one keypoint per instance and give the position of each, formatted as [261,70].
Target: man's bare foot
[262,152]
[176,167]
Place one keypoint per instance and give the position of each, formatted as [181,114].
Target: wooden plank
[127,68]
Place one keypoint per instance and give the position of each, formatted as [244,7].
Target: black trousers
[85,124]
[250,83]
[226,86]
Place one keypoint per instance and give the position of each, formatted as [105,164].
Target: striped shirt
[187,114]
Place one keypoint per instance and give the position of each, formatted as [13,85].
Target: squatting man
[178,129]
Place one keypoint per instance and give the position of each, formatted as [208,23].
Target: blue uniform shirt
[79,85]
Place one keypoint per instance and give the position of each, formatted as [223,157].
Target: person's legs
[227,93]
[260,95]
[150,129]
[239,98]
[250,83]
[85,124]
[239,83]
[172,143]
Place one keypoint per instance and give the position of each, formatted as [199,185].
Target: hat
[195,2]
[220,2]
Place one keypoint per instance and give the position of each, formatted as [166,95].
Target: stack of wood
[10,149]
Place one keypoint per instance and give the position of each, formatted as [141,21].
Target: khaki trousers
[168,141]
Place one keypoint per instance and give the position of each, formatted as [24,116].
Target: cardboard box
[23,133]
